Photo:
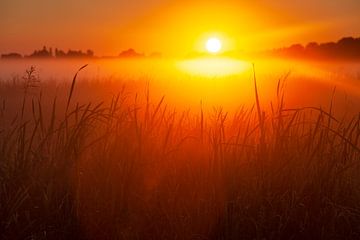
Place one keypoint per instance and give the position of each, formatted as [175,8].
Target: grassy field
[133,167]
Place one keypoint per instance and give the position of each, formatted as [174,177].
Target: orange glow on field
[212,67]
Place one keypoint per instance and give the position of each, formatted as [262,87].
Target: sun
[213,45]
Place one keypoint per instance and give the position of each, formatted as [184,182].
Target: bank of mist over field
[169,155]
[225,82]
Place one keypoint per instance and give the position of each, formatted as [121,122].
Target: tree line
[347,48]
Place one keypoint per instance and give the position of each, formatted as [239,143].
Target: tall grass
[124,169]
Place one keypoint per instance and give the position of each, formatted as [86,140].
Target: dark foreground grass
[124,169]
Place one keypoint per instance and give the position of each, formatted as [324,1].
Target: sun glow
[213,45]
[212,67]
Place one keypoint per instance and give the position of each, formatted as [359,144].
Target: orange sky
[173,27]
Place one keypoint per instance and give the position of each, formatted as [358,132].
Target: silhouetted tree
[130,53]
[59,53]
[345,48]
[11,56]
[44,53]
[90,53]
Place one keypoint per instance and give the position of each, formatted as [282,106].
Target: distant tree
[90,53]
[11,56]
[59,53]
[347,41]
[130,53]
[312,46]
[312,49]
[348,47]
[345,48]
[296,48]
[327,46]
[44,53]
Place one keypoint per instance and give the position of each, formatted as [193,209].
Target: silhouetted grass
[124,169]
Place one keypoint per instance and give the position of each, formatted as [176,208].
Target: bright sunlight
[213,45]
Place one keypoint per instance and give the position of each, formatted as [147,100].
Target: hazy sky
[172,27]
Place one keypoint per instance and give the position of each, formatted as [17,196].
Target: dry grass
[133,169]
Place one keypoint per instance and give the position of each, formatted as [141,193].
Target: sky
[172,27]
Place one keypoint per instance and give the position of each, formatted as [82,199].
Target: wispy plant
[29,81]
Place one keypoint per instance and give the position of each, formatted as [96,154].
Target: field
[119,159]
